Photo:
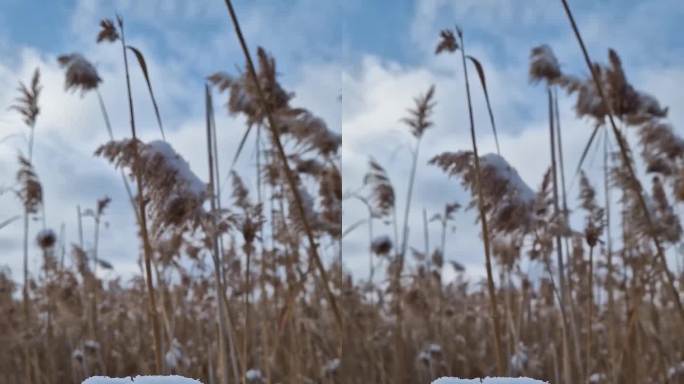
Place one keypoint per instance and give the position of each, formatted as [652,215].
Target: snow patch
[489,380]
[141,380]
[253,375]
[174,161]
[505,171]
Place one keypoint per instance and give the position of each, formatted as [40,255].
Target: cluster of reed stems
[248,286]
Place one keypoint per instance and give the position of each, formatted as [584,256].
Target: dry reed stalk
[27,106]
[590,308]
[418,122]
[292,184]
[635,184]
[215,246]
[147,247]
[612,323]
[483,218]
[565,297]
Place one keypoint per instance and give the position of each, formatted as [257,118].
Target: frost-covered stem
[218,284]
[147,248]
[635,184]
[483,221]
[291,182]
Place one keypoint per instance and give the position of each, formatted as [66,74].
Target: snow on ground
[141,380]
[488,380]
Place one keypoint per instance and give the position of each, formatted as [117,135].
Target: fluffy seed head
[46,239]
[419,117]
[27,102]
[544,65]
[107,32]
[30,190]
[80,73]
[447,42]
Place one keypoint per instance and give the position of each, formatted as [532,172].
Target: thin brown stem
[483,221]
[147,248]
[218,284]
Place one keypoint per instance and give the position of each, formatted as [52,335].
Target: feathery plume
[27,103]
[107,32]
[242,91]
[80,73]
[670,227]
[507,198]
[381,245]
[661,147]
[447,42]
[30,190]
[330,193]
[176,194]
[382,191]
[102,204]
[419,119]
[308,130]
[594,221]
[46,239]
[544,65]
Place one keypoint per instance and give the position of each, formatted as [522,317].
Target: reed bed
[247,285]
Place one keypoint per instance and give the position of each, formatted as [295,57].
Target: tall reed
[282,157]
[449,44]
[110,33]
[635,184]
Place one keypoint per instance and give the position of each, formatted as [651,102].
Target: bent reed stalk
[627,163]
[292,185]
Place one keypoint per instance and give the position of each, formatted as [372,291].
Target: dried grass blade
[239,149]
[585,152]
[483,81]
[9,221]
[143,67]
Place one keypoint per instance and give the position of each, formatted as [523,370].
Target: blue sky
[377,53]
